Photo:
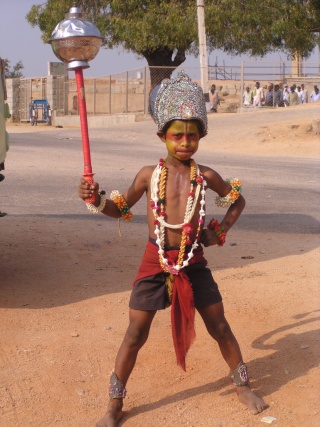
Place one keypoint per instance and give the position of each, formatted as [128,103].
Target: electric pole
[202,46]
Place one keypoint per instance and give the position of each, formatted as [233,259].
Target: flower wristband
[121,204]
[229,199]
[97,209]
[219,231]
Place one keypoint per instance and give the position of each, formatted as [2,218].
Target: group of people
[275,96]
[278,97]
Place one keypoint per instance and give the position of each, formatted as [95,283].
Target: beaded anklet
[219,231]
[121,204]
[225,202]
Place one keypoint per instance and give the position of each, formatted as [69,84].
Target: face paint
[182,139]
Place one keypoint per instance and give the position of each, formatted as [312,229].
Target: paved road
[44,167]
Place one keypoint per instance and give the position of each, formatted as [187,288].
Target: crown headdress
[178,99]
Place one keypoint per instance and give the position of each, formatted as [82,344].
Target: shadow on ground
[52,260]
[279,368]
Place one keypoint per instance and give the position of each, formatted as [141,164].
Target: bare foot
[251,400]
[113,414]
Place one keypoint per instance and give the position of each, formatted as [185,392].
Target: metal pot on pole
[76,41]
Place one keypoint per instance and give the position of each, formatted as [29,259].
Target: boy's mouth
[184,151]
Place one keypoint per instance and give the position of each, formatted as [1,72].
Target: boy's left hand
[209,238]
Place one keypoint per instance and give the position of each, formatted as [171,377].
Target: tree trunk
[162,62]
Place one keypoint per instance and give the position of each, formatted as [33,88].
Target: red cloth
[182,310]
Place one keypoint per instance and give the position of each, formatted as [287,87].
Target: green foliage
[258,27]
[163,31]
[14,72]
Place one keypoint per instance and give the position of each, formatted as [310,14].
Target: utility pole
[202,46]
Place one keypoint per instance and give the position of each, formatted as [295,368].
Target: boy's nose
[185,140]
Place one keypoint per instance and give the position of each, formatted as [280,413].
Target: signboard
[57,69]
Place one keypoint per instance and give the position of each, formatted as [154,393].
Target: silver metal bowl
[75,40]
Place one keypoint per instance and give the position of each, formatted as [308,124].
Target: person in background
[269,96]
[305,94]
[278,97]
[286,88]
[313,92]
[246,96]
[293,96]
[285,96]
[213,99]
[316,95]
[257,95]
[300,95]
[4,114]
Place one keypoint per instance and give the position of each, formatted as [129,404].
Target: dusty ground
[65,284]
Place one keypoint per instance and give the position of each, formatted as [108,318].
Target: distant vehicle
[39,112]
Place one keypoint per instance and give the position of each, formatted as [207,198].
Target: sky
[20,42]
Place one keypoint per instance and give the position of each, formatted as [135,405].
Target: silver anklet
[240,375]
[116,388]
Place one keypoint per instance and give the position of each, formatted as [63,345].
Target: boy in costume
[173,269]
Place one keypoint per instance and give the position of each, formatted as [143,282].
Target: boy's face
[182,139]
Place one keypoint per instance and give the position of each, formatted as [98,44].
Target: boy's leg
[219,329]
[135,337]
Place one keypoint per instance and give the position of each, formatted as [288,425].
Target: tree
[13,73]
[164,31]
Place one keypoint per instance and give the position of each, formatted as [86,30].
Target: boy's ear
[161,136]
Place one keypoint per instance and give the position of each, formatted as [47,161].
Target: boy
[173,269]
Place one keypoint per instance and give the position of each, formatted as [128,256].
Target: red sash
[182,310]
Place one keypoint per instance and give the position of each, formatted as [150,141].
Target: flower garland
[97,209]
[121,204]
[219,231]
[229,199]
[157,203]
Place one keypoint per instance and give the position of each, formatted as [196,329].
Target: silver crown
[178,99]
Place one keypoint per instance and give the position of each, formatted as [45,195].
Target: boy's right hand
[209,238]
[87,191]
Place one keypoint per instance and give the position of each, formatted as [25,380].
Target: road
[66,277]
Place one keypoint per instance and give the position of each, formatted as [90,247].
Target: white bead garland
[162,224]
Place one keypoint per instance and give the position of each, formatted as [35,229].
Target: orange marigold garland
[121,204]
[229,199]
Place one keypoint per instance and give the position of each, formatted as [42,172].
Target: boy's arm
[233,213]
[209,237]
[132,195]
[222,188]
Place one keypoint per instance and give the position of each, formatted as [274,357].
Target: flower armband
[229,199]
[219,231]
[121,204]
